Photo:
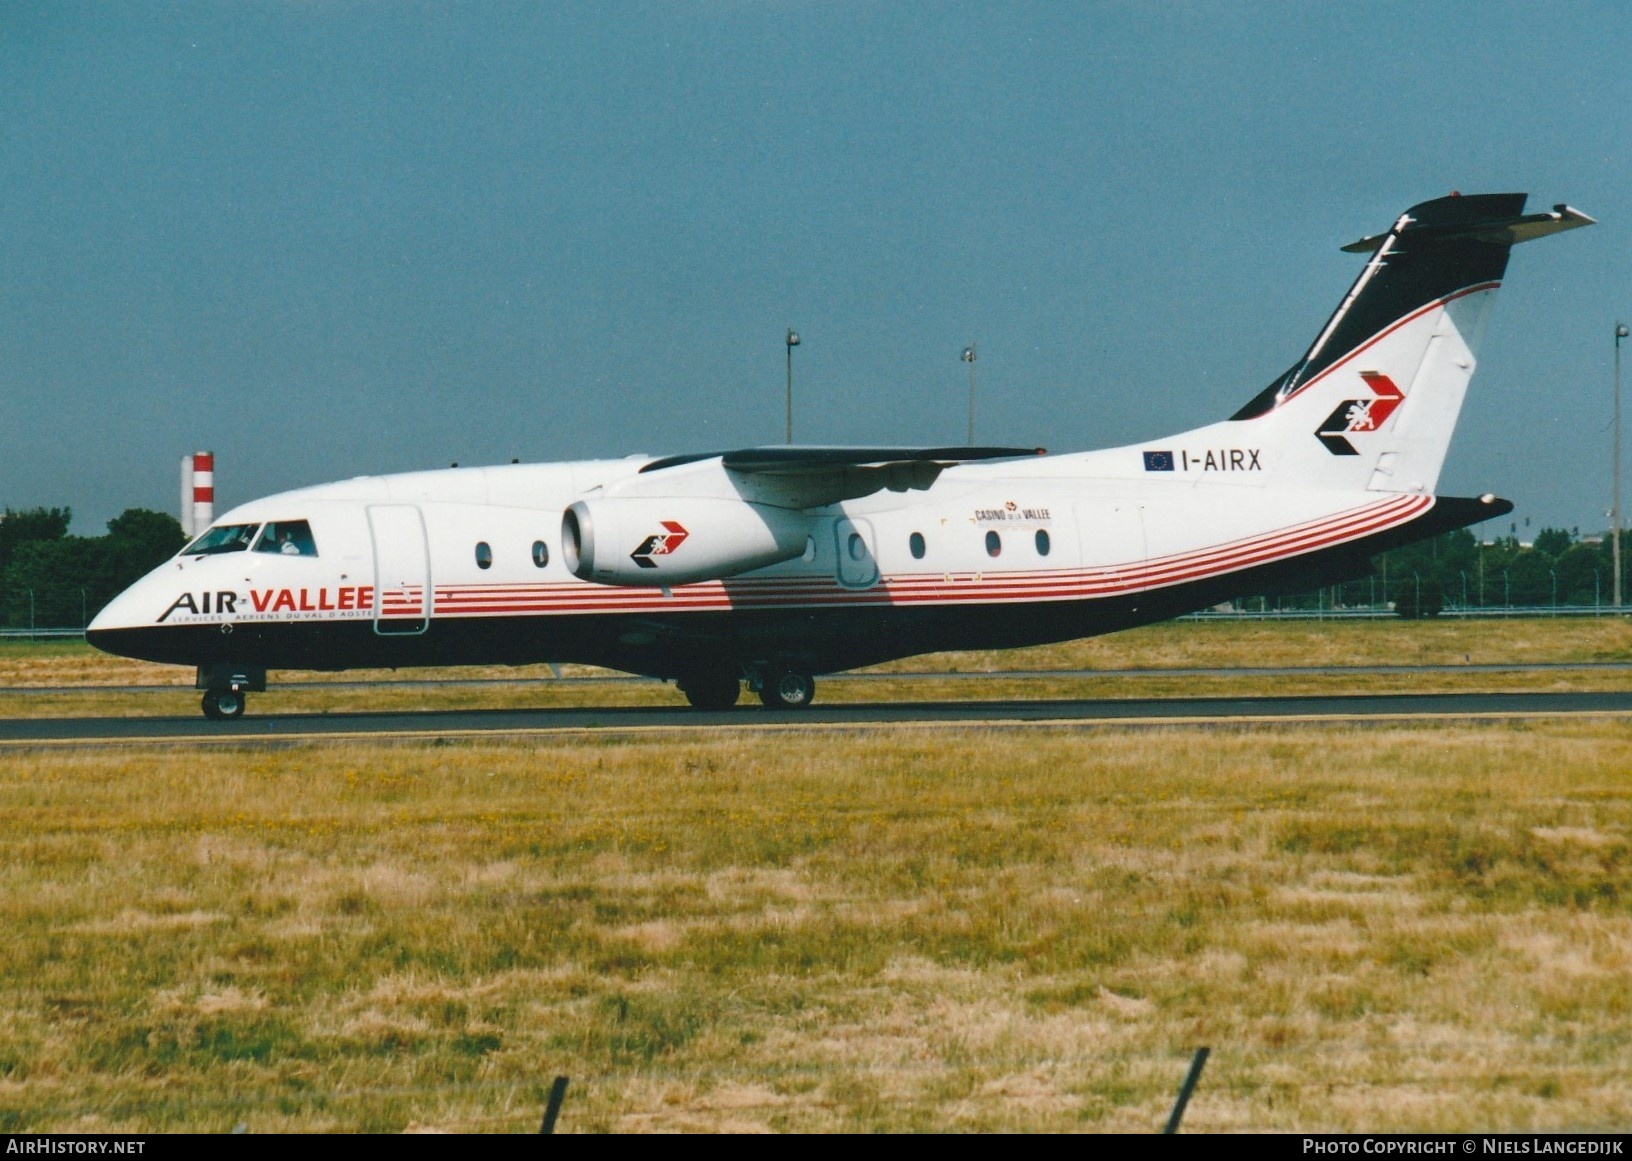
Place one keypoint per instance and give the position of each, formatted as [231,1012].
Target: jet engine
[645,541]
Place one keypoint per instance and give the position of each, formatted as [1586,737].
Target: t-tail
[1373,402]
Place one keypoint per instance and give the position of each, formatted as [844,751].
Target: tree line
[49,579]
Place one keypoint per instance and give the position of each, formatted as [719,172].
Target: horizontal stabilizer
[1508,231]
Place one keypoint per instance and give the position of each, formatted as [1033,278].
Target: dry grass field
[26,667]
[906,929]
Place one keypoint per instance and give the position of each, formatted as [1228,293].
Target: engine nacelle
[641,541]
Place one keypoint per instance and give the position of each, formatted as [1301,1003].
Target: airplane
[770,566]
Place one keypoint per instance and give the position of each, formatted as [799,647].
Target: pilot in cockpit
[287,538]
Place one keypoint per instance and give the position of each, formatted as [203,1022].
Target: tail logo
[1360,415]
[659,544]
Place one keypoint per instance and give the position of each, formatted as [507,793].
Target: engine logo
[659,544]
[1357,415]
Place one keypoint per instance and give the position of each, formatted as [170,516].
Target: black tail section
[1436,249]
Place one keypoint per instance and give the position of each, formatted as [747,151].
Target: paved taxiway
[885,675]
[1148,711]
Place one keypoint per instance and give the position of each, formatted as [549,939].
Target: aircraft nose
[129,625]
[119,613]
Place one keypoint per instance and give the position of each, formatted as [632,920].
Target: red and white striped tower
[203,490]
[197,492]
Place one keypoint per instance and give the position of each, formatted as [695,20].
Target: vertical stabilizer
[1374,400]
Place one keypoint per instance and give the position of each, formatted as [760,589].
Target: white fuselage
[425,553]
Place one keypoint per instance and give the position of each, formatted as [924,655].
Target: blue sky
[324,239]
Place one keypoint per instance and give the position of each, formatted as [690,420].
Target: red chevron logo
[659,543]
[1357,415]
[1373,413]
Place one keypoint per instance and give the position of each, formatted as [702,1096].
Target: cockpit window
[288,538]
[226,538]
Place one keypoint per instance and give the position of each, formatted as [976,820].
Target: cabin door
[402,569]
[858,566]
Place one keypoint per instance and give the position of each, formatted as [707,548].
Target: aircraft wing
[808,477]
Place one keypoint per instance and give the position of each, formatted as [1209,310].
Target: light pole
[968,356]
[793,341]
[1615,511]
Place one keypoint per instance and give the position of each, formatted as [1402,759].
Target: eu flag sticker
[1160,461]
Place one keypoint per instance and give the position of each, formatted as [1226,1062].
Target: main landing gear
[787,689]
[779,688]
[717,690]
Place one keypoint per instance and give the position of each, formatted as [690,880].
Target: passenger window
[915,544]
[227,538]
[994,543]
[287,538]
[541,554]
[1042,542]
[858,547]
[484,555]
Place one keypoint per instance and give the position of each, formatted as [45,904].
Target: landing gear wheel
[712,691]
[788,690]
[220,704]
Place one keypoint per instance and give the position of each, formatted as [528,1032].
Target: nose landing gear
[225,688]
[220,704]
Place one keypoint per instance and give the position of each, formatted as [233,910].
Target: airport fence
[1370,613]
